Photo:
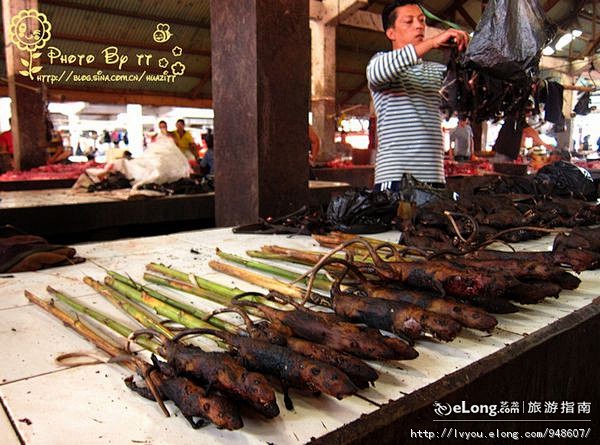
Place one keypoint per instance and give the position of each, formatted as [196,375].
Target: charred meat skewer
[293,370]
[359,372]
[220,370]
[329,329]
[393,316]
[190,398]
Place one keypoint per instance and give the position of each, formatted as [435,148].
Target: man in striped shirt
[405,91]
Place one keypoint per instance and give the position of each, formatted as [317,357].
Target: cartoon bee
[162,33]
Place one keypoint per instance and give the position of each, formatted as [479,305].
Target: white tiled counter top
[48,404]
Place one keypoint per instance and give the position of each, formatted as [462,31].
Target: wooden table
[69,216]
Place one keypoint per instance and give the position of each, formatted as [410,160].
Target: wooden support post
[28,124]
[261,84]
[477,136]
[323,103]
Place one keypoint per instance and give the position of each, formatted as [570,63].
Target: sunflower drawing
[30,31]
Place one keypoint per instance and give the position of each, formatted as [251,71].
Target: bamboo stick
[125,289]
[136,364]
[79,326]
[224,300]
[190,278]
[165,310]
[137,313]
[103,319]
[320,282]
[269,283]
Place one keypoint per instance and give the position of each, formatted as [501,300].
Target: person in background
[343,149]
[462,136]
[6,140]
[6,150]
[315,146]
[209,139]
[208,161]
[184,140]
[405,91]
[115,137]
[163,129]
[537,141]
[585,145]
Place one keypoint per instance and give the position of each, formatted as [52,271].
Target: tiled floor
[52,405]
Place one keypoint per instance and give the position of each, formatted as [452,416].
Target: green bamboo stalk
[269,283]
[178,315]
[321,282]
[201,282]
[126,286]
[278,257]
[207,289]
[137,313]
[103,342]
[223,300]
[103,319]
[82,328]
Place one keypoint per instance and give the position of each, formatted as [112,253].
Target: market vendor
[184,140]
[405,91]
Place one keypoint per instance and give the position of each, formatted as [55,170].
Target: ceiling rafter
[472,23]
[550,4]
[352,93]
[114,96]
[125,68]
[452,8]
[591,48]
[204,79]
[123,43]
[115,11]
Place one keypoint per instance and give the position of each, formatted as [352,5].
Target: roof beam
[372,22]
[125,68]
[338,10]
[114,11]
[550,4]
[353,93]
[124,43]
[590,49]
[195,92]
[450,10]
[472,23]
[125,97]
[590,17]
[364,20]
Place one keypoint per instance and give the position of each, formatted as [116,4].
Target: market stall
[525,359]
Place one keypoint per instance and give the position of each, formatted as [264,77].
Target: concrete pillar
[261,85]
[135,131]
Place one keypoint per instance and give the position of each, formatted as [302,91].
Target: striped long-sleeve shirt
[405,91]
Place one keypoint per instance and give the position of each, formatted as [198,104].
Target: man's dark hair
[180,120]
[388,15]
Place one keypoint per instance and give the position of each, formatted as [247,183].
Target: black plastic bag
[362,211]
[565,179]
[509,38]
[582,107]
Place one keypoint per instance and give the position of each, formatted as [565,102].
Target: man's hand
[446,38]
[451,36]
